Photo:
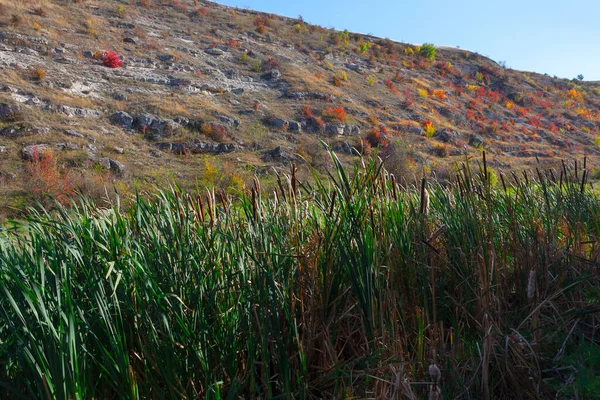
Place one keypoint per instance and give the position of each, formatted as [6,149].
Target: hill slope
[212,95]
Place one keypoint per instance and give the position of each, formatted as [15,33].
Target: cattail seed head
[531,285]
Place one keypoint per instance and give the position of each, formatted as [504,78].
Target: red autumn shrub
[337,114]
[376,137]
[390,85]
[318,123]
[45,176]
[111,59]
[307,112]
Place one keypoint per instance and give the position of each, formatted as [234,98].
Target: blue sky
[556,37]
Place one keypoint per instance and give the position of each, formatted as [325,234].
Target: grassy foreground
[354,289]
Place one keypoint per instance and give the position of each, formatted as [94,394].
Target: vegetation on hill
[137,94]
[355,287]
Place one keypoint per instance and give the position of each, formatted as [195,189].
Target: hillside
[213,96]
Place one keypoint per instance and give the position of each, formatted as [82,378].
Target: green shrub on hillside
[428,51]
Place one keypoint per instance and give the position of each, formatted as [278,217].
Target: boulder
[214,51]
[345,148]
[34,151]
[278,154]
[73,133]
[352,130]
[78,112]
[334,129]
[213,148]
[112,165]
[166,57]
[144,121]
[119,96]
[183,121]
[271,75]
[232,122]
[476,141]
[67,146]
[123,119]
[9,112]
[22,130]
[65,60]
[446,135]
[278,123]
[294,126]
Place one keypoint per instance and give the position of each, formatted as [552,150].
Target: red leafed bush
[318,123]
[111,59]
[307,112]
[377,137]
[337,114]
[46,177]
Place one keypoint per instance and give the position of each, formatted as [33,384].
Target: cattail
[531,285]
[424,197]
[435,393]
[435,373]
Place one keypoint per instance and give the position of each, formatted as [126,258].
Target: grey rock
[144,120]
[164,126]
[156,153]
[123,119]
[22,130]
[229,121]
[183,121]
[113,166]
[352,130]
[446,135]
[176,148]
[77,112]
[166,57]
[214,51]
[65,60]
[74,133]
[9,112]
[8,175]
[345,148]
[130,40]
[33,101]
[237,90]
[334,129]
[416,130]
[213,148]
[354,67]
[3,149]
[118,150]
[271,75]
[67,146]
[119,96]
[457,152]
[233,73]
[278,154]
[476,141]
[294,126]
[91,148]
[278,123]
[34,151]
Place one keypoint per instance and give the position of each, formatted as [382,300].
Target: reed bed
[354,287]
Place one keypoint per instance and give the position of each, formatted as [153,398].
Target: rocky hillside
[97,94]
